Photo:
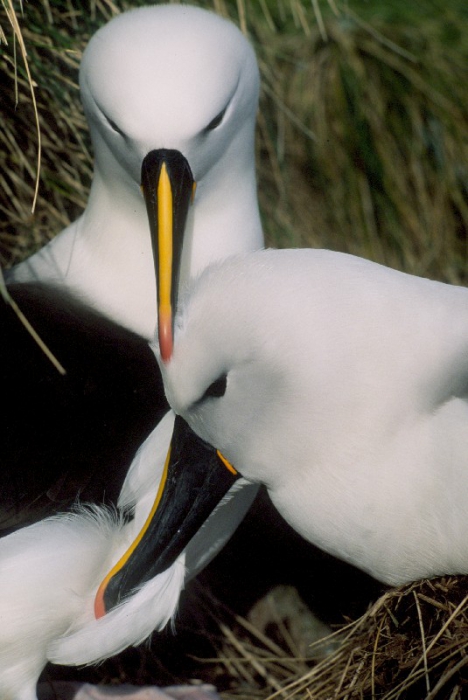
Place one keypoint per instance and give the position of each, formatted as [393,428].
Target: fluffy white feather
[89,640]
[49,574]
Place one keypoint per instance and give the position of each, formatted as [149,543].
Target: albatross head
[330,379]
[163,84]
[168,76]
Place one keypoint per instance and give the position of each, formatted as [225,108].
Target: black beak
[196,477]
[168,187]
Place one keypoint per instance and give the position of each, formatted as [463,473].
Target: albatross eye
[215,122]
[114,127]
[216,389]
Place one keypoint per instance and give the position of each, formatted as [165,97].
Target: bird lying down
[70,439]
[51,570]
[342,386]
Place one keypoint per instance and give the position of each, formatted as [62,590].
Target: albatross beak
[168,187]
[196,477]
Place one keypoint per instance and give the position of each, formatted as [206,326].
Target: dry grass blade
[373,162]
[18,35]
[411,644]
[423,643]
[251,659]
[8,299]
[364,132]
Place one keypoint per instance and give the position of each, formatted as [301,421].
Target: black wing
[69,437]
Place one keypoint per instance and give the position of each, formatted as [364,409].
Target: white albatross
[341,385]
[170,93]
[158,78]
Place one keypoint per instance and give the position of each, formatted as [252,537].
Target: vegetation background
[362,147]
[362,130]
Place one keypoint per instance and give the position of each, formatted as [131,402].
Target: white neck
[105,256]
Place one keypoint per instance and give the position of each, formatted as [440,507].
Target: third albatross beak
[196,477]
[168,186]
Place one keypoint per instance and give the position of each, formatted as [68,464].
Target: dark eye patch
[114,126]
[216,389]
[216,121]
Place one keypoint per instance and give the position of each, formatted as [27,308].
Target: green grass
[362,136]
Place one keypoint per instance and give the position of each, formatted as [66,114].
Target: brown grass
[374,161]
[411,645]
[362,137]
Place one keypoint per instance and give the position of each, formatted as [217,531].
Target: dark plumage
[69,437]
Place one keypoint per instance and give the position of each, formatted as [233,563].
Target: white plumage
[172,77]
[152,78]
[88,640]
[346,395]
[50,572]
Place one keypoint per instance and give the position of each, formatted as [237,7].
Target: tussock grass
[53,52]
[374,160]
[42,117]
[362,137]
[411,644]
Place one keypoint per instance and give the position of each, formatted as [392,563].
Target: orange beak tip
[165,337]
[99,607]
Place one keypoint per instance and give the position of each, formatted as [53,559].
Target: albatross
[170,94]
[340,384]
[163,87]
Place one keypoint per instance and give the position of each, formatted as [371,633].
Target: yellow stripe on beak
[226,463]
[165,238]
[99,606]
[168,188]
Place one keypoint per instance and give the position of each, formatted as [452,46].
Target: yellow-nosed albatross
[160,78]
[170,93]
[340,384]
